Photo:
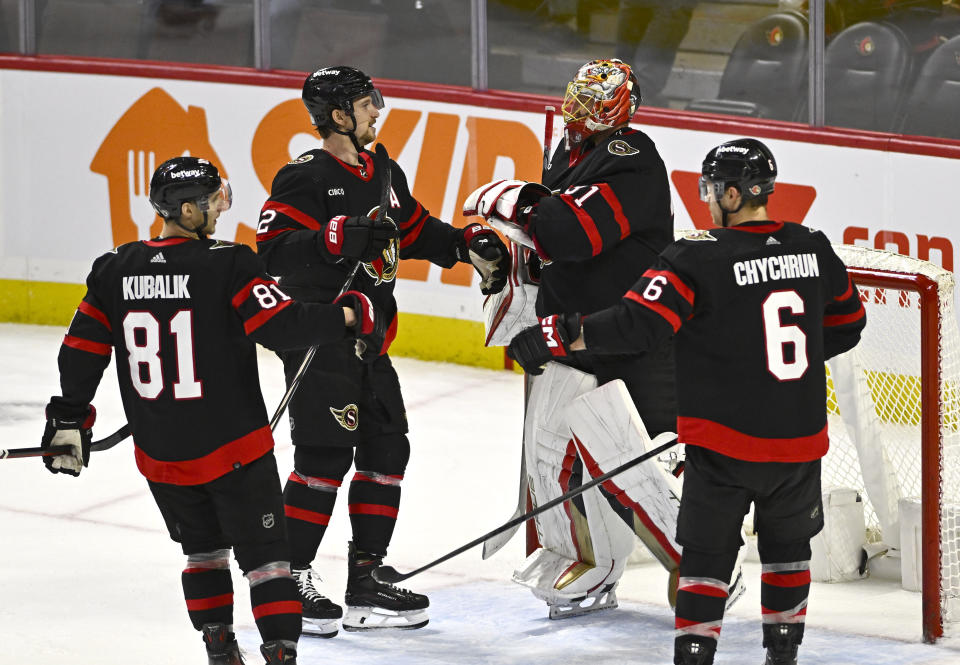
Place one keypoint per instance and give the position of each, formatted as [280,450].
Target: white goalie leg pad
[507,313]
[608,432]
[585,546]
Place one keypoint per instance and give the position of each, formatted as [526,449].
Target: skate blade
[590,604]
[325,628]
[360,619]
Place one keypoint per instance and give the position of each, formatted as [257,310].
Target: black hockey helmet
[746,164]
[186,179]
[337,87]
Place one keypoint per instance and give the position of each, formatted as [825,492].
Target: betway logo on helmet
[190,173]
[328,72]
[733,148]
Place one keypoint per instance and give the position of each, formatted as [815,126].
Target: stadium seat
[766,74]
[933,107]
[867,67]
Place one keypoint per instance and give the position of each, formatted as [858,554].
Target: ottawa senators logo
[348,416]
[302,159]
[621,148]
[384,268]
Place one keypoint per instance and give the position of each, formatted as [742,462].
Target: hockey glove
[358,237]
[533,347]
[370,328]
[505,200]
[483,248]
[75,431]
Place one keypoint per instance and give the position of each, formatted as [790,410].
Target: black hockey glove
[533,347]
[75,430]
[358,237]
[370,328]
[483,248]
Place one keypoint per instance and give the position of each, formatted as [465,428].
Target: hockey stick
[383,166]
[663,442]
[96,446]
[494,544]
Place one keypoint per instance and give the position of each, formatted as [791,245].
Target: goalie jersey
[310,190]
[607,221]
[183,315]
[756,310]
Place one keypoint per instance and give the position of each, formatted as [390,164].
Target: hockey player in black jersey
[183,313]
[756,306]
[599,220]
[313,230]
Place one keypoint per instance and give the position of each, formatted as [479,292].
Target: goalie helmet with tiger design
[604,94]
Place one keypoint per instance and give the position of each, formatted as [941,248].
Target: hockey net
[894,418]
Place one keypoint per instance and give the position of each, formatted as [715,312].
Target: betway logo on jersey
[144,287]
[772,268]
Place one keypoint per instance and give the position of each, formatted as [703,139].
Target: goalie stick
[383,165]
[494,544]
[662,443]
[96,446]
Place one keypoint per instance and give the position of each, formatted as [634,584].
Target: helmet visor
[220,200]
[710,190]
[377,98]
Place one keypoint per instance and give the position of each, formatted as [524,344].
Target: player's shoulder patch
[222,244]
[700,236]
[302,159]
[621,148]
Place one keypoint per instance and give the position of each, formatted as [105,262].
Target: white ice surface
[88,575]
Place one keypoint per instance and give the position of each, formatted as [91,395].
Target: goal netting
[894,419]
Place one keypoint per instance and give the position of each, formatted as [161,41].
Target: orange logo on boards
[154,129]
[789,203]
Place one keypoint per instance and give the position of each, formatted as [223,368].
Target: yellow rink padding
[46,303]
[418,335]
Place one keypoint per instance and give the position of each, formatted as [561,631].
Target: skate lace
[305,581]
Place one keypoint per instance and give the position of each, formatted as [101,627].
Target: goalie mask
[604,94]
[332,88]
[188,180]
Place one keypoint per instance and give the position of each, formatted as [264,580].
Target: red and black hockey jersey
[756,310]
[607,221]
[183,316]
[309,191]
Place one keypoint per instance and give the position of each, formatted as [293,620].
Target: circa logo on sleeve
[621,148]
[302,159]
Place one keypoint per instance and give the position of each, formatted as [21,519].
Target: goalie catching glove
[370,327]
[483,248]
[75,430]
[505,200]
[550,339]
[357,237]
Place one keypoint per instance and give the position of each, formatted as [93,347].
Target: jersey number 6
[779,336]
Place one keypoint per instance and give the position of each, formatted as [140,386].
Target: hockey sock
[375,491]
[208,588]
[702,594]
[275,602]
[309,497]
[785,583]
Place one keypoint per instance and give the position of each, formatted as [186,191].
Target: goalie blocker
[574,428]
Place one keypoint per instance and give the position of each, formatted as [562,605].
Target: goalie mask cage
[894,419]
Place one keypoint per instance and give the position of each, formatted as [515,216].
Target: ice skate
[694,650]
[373,605]
[279,652]
[221,643]
[320,614]
[604,598]
[782,641]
